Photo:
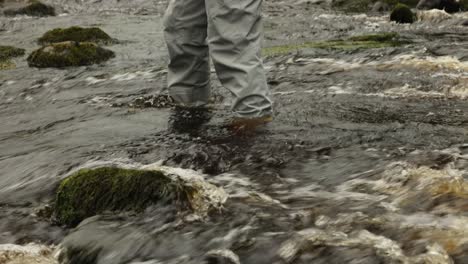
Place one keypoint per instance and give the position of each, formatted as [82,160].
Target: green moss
[358,42]
[79,34]
[464,4]
[7,65]
[69,53]
[402,14]
[35,8]
[6,53]
[92,191]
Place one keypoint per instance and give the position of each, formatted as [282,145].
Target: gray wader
[230,31]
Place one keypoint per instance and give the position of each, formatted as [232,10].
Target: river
[366,161]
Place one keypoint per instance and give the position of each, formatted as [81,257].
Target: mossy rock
[69,53]
[34,8]
[79,34]
[6,53]
[373,41]
[402,14]
[92,191]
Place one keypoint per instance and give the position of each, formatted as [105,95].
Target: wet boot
[185,119]
[243,125]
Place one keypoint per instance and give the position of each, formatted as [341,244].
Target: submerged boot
[246,124]
[188,119]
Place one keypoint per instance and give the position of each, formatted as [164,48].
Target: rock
[6,53]
[433,16]
[380,248]
[465,23]
[450,6]
[31,253]
[359,6]
[402,14]
[78,34]
[221,257]
[92,191]
[380,6]
[105,242]
[380,40]
[34,8]
[69,53]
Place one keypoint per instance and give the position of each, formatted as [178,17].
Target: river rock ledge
[32,8]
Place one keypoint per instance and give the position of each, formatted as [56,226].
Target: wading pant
[230,31]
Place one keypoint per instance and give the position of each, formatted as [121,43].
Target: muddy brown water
[365,163]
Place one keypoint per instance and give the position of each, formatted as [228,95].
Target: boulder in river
[92,191]
[6,53]
[402,14]
[69,53]
[34,8]
[79,34]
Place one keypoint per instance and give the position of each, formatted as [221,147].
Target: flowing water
[366,161]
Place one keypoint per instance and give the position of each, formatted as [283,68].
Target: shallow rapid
[366,161]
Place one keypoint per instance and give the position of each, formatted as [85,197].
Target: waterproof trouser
[228,31]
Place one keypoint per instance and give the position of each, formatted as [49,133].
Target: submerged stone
[78,34]
[381,37]
[65,54]
[380,40]
[402,14]
[104,241]
[6,53]
[34,8]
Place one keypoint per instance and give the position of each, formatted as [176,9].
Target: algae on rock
[381,40]
[35,8]
[402,14]
[6,53]
[89,192]
[79,34]
[69,53]
[92,191]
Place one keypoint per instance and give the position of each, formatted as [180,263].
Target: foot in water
[244,125]
[188,119]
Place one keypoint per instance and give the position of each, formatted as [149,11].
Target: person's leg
[185,31]
[235,37]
